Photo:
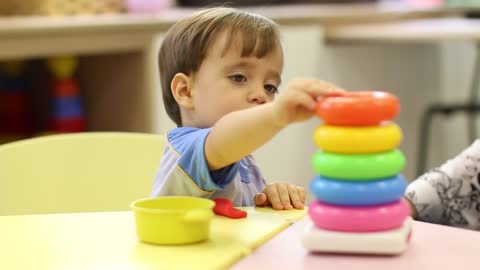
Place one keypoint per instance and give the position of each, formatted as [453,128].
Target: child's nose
[257,96]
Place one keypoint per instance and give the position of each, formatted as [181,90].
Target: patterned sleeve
[450,194]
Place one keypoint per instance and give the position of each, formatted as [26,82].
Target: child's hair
[187,42]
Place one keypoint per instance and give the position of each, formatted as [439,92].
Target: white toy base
[386,242]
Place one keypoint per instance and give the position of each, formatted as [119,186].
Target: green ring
[359,167]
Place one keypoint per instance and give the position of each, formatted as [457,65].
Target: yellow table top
[107,240]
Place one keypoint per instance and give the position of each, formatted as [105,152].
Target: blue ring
[358,193]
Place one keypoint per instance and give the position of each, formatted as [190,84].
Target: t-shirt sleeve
[189,143]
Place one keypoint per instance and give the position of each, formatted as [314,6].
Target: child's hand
[298,101]
[281,196]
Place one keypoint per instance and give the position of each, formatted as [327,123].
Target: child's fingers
[333,94]
[315,87]
[273,198]
[295,196]
[324,87]
[301,192]
[260,199]
[304,100]
[283,192]
[319,91]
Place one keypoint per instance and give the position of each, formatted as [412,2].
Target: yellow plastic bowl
[358,140]
[173,220]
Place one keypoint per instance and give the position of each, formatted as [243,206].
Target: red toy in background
[67,113]
[15,103]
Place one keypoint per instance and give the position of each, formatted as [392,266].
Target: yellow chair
[82,172]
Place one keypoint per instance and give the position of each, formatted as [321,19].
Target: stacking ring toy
[358,167]
[359,219]
[358,193]
[368,108]
[356,140]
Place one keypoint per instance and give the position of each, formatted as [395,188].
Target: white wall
[457,72]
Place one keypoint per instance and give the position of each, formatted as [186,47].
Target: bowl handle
[197,216]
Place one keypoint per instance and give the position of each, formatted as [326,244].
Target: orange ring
[365,108]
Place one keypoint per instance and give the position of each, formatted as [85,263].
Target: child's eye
[238,78]
[271,88]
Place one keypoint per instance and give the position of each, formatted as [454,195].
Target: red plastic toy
[224,207]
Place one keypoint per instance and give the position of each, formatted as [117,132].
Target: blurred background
[91,65]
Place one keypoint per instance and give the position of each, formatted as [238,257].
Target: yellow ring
[357,140]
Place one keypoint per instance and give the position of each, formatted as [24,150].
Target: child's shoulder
[183,138]
[183,132]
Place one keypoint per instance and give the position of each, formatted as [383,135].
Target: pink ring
[359,218]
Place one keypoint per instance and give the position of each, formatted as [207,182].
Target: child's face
[229,82]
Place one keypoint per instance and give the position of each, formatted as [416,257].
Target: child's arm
[450,193]
[413,210]
[239,133]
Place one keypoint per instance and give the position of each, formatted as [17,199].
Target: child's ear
[182,90]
